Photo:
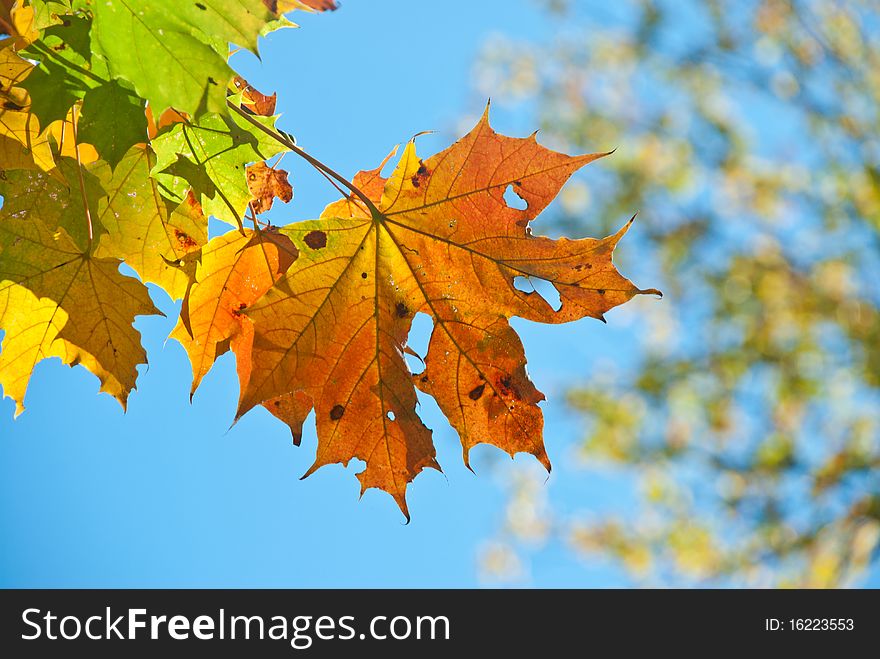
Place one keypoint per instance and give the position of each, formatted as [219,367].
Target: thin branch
[314,162]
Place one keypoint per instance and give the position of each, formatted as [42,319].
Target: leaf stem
[314,162]
[82,182]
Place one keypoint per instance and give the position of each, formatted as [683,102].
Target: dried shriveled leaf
[265,183]
[284,6]
[444,242]
[254,100]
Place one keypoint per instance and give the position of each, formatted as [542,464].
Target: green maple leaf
[174,53]
[211,156]
[112,121]
[67,70]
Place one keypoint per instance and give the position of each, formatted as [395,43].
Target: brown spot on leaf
[476,392]
[421,174]
[601,291]
[185,241]
[507,388]
[401,310]
[316,239]
[363,275]
[337,412]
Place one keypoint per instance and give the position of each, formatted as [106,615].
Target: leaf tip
[466,458]
[544,459]
[650,291]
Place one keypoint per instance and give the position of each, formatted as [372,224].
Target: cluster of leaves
[123,128]
[751,420]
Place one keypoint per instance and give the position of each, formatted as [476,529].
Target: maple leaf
[66,69]
[112,120]
[48,197]
[439,239]
[210,157]
[235,271]
[265,183]
[155,240]
[83,306]
[63,135]
[174,53]
[17,19]
[22,146]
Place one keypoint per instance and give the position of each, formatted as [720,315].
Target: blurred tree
[749,137]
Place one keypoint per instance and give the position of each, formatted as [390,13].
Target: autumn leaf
[17,19]
[64,135]
[22,144]
[84,302]
[31,326]
[123,129]
[310,5]
[235,270]
[142,230]
[265,183]
[54,199]
[253,99]
[439,239]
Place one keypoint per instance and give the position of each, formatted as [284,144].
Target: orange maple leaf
[437,237]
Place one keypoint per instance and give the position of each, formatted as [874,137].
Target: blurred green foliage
[749,138]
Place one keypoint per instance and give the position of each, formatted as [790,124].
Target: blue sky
[169,495]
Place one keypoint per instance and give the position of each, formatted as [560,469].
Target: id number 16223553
[809,624]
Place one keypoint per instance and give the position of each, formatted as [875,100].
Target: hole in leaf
[512,199]
[419,335]
[542,287]
[390,415]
